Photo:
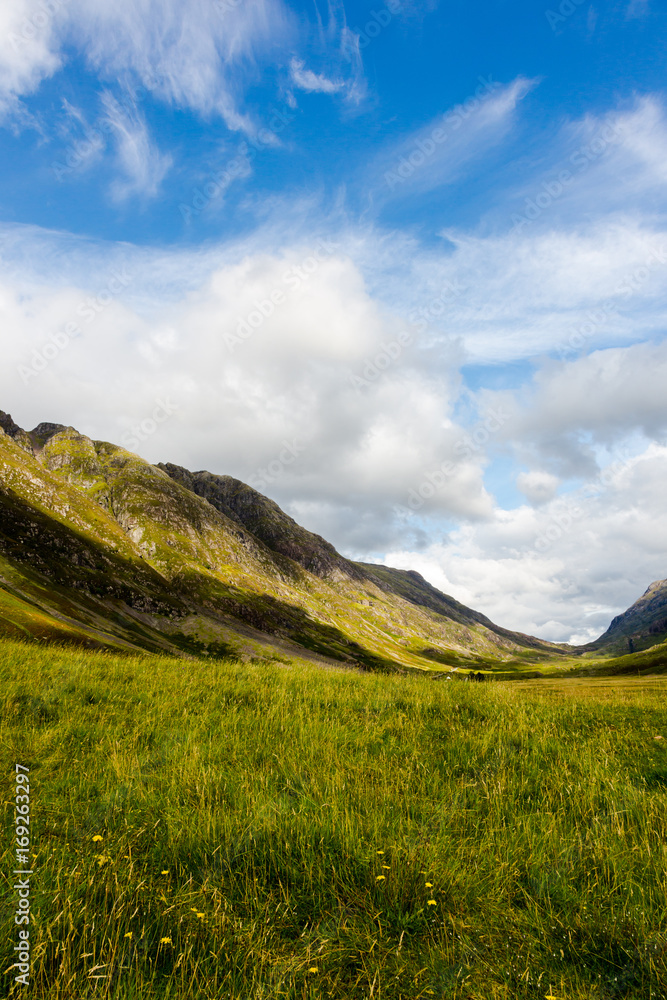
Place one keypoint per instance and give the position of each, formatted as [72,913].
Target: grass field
[218,829]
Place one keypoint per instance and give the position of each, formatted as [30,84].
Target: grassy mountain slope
[98,545]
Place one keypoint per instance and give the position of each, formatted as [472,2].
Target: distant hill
[99,547]
[642,626]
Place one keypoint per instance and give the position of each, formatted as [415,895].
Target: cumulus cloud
[563,570]
[537,486]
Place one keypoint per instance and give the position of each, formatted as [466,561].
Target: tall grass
[284,831]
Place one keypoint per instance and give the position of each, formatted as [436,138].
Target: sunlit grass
[217,829]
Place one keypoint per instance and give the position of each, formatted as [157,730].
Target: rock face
[267,521]
[99,547]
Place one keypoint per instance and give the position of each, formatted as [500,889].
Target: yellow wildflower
[165,940]
[129,934]
[379,852]
[379,878]
[432,902]
[165,872]
[313,969]
[97,838]
[429,885]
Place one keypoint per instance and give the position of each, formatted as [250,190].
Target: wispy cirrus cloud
[139,160]
[198,56]
[29,49]
[311,82]
[437,153]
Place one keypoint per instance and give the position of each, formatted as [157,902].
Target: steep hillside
[99,546]
[642,626]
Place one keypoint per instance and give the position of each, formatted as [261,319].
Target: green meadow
[211,828]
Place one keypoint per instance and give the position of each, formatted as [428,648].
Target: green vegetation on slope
[649,661]
[279,831]
[116,550]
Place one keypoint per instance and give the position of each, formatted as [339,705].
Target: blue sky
[399,265]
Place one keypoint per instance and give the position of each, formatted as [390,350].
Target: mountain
[101,548]
[642,626]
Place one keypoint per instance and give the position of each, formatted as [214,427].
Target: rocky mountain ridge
[100,547]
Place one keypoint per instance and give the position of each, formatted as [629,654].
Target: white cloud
[198,56]
[139,159]
[537,486]
[611,164]
[193,56]
[437,153]
[29,50]
[317,83]
[564,570]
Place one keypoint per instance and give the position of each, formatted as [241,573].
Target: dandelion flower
[428,885]
[165,940]
[165,872]
[379,878]
[313,969]
[201,915]
[97,838]
[129,934]
[388,867]
[379,852]
[432,902]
